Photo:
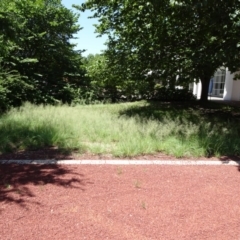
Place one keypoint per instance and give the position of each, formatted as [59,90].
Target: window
[218,83]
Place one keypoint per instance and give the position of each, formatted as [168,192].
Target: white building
[221,85]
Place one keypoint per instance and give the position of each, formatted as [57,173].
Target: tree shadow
[16,181]
[222,118]
[42,140]
[185,111]
[49,153]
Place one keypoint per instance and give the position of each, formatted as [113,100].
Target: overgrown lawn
[125,129]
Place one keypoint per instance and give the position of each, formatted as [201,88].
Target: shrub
[166,94]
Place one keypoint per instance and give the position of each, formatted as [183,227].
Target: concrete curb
[125,162]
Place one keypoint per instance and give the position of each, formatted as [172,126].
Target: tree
[37,38]
[108,80]
[13,85]
[207,37]
[188,38]
[102,78]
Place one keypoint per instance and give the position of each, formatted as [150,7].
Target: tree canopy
[188,38]
[150,44]
[37,59]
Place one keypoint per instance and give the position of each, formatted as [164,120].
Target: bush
[13,89]
[166,94]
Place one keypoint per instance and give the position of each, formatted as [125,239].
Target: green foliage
[102,80]
[12,88]
[107,82]
[35,47]
[188,39]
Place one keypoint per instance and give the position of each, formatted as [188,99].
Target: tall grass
[125,129]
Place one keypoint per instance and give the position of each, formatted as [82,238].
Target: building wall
[228,86]
[197,89]
[231,88]
[236,91]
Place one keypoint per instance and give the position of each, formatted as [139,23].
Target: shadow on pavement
[16,181]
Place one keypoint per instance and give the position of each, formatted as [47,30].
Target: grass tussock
[125,129]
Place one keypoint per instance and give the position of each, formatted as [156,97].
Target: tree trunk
[205,84]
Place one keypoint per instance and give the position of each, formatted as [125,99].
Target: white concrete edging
[125,162]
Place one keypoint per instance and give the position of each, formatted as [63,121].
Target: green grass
[125,129]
